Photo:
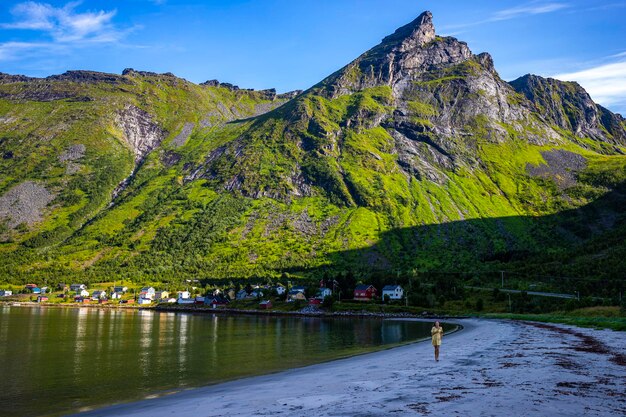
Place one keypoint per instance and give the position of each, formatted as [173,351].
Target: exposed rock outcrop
[569,106]
[184,134]
[141,133]
[24,203]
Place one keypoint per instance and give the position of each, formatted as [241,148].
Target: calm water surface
[58,360]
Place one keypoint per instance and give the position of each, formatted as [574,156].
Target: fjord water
[60,360]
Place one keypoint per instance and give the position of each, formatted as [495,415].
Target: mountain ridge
[212,180]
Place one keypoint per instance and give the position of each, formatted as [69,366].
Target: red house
[364,292]
[265,305]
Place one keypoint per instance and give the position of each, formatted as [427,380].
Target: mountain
[414,158]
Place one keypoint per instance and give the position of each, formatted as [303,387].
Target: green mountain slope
[414,157]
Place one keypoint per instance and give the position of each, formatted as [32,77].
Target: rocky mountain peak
[417,33]
[405,55]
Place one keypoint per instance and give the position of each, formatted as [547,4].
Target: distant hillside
[414,158]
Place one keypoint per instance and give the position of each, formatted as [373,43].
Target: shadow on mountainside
[586,242]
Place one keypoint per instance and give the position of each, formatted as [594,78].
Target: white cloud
[65,28]
[605,83]
[529,9]
[63,24]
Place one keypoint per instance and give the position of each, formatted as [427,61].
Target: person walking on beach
[437,333]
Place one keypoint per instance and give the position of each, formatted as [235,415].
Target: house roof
[363,287]
[391,287]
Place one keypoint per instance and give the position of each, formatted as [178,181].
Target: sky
[293,44]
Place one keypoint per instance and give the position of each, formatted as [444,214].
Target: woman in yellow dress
[437,333]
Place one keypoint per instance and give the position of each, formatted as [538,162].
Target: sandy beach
[490,368]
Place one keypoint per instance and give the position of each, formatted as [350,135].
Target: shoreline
[491,367]
[188,309]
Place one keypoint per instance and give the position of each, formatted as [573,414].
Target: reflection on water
[57,360]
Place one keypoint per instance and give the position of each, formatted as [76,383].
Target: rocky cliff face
[569,106]
[141,133]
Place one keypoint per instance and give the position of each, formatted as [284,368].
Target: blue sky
[292,44]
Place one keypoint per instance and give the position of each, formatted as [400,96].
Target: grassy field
[596,317]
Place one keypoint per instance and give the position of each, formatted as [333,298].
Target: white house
[185,301]
[395,292]
[99,294]
[5,293]
[280,290]
[183,295]
[120,288]
[144,301]
[77,287]
[323,293]
[83,293]
[116,295]
[147,292]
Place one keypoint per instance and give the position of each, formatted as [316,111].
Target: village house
[183,295]
[161,295]
[315,301]
[296,295]
[298,288]
[97,294]
[364,292]
[265,304]
[36,290]
[256,293]
[199,299]
[42,298]
[30,287]
[323,293]
[82,293]
[395,292]
[242,295]
[5,293]
[215,300]
[144,301]
[120,288]
[116,295]
[231,294]
[77,287]
[147,292]
[280,290]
